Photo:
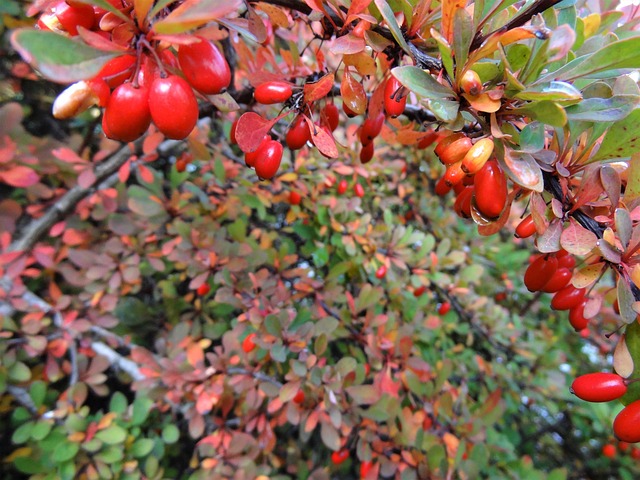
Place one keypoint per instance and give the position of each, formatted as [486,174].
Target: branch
[37,228]
[257,375]
[115,359]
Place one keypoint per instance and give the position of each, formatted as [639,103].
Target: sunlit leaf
[194,13]
[622,360]
[57,57]
[353,94]
[389,17]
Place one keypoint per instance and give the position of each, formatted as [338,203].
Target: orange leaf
[449,8]
[353,94]
[317,90]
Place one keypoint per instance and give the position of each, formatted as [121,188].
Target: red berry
[371,128]
[419,291]
[456,152]
[358,189]
[294,198]
[540,272]
[567,298]
[623,446]
[174,108]
[558,281]
[248,345]
[365,468]
[127,114]
[330,116]
[491,189]
[269,93]
[232,132]
[625,426]
[350,113]
[181,165]
[462,206]
[442,188]
[430,137]
[635,453]
[445,307]
[609,450]
[203,289]
[268,158]
[342,187]
[117,70]
[299,397]
[72,17]
[204,66]
[340,456]
[392,91]
[381,272]
[298,134]
[576,317]
[565,259]
[599,387]
[250,157]
[526,227]
[366,154]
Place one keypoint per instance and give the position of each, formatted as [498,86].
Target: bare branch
[115,359]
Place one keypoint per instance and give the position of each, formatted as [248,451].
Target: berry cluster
[266,157]
[551,273]
[476,178]
[148,84]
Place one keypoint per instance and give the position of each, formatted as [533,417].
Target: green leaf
[142,447]
[59,58]
[143,202]
[422,83]
[141,408]
[64,451]
[603,109]
[41,430]
[562,92]
[632,338]
[622,139]
[19,372]
[532,137]
[22,433]
[37,392]
[112,435]
[363,394]
[392,24]
[170,434]
[616,55]
[632,191]
[194,13]
[547,112]
[463,32]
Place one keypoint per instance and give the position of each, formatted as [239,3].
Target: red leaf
[86,178]
[357,7]
[193,13]
[317,90]
[19,176]
[251,129]
[145,174]
[347,44]
[323,140]
[125,170]
[98,41]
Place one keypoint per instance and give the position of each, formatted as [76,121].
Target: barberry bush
[299,239]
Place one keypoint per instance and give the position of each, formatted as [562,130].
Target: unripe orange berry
[471,83]
[477,155]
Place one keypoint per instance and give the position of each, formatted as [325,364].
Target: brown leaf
[622,360]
